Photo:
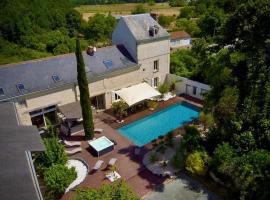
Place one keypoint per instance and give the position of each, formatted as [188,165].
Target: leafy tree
[192,139]
[54,153]
[139,9]
[99,27]
[84,94]
[197,162]
[189,26]
[244,142]
[118,190]
[187,12]
[176,3]
[211,22]
[58,177]
[165,21]
[183,63]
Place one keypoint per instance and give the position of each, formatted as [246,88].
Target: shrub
[152,104]
[54,154]
[196,163]
[169,139]
[165,20]
[153,158]
[192,139]
[139,9]
[187,12]
[164,88]
[120,108]
[58,177]
[118,190]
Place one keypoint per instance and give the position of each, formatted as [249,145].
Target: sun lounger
[112,161]
[73,151]
[98,130]
[98,165]
[71,144]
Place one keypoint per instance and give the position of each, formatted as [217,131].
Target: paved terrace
[129,166]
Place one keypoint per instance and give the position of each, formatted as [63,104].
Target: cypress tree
[85,102]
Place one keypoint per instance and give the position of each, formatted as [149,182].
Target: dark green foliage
[58,177]
[183,63]
[33,29]
[99,27]
[84,94]
[188,12]
[120,109]
[197,163]
[165,21]
[140,9]
[192,139]
[190,26]
[211,22]
[116,191]
[54,153]
[176,3]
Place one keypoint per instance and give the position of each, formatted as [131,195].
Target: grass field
[125,9]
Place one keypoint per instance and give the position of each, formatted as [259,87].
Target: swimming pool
[149,128]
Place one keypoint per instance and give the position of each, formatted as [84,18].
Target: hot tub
[101,146]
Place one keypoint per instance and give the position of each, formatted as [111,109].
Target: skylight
[20,87]
[56,78]
[108,64]
[2,92]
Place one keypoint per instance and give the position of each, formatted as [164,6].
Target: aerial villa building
[140,53]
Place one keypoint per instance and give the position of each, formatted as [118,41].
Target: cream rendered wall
[107,85]
[67,96]
[148,53]
[56,98]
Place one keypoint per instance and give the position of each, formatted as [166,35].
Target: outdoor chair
[71,144]
[112,161]
[98,130]
[98,165]
[73,151]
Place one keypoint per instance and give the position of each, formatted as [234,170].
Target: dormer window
[56,78]
[2,93]
[20,87]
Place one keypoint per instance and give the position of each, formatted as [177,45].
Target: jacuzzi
[101,146]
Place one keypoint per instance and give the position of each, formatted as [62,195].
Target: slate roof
[180,35]
[139,27]
[17,178]
[36,75]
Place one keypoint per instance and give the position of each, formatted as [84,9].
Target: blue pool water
[149,128]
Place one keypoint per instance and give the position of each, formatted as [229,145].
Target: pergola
[137,93]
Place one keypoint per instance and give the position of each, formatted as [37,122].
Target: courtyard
[128,165]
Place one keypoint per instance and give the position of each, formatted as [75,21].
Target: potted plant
[163,89]
[152,105]
[120,110]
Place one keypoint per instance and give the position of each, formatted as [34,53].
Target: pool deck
[129,166]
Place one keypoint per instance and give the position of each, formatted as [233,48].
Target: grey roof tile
[37,75]
[15,173]
[139,27]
